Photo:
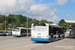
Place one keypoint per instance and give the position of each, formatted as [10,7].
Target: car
[7,33]
[1,33]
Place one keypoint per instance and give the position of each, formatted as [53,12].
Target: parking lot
[25,43]
[17,43]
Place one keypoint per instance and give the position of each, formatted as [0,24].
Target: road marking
[34,44]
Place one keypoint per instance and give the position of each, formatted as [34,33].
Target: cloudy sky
[51,10]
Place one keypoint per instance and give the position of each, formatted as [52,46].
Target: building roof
[1,23]
[70,22]
[9,24]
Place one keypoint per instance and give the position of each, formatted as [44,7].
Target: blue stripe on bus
[60,36]
[40,39]
[15,35]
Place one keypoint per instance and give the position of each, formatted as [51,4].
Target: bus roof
[52,25]
[23,28]
[55,25]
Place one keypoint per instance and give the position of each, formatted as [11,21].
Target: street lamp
[27,25]
[27,21]
[5,23]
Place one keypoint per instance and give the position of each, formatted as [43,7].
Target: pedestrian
[67,32]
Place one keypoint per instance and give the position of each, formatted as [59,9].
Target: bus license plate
[39,33]
[38,36]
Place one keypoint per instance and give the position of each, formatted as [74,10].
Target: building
[1,24]
[72,24]
[8,24]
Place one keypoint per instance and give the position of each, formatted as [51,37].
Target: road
[24,43]
[17,43]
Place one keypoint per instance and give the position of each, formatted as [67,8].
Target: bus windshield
[16,29]
[39,25]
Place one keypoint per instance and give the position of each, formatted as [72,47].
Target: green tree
[1,28]
[43,21]
[17,20]
[63,23]
[24,24]
[32,21]
[16,24]
[3,25]
[2,18]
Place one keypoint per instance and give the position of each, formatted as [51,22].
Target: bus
[20,31]
[46,32]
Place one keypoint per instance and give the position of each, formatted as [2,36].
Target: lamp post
[27,20]
[27,24]
[5,23]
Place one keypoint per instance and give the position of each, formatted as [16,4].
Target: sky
[50,10]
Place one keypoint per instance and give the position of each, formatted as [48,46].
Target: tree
[24,24]
[17,20]
[2,18]
[63,23]
[3,25]
[32,21]
[43,21]
[50,22]
[16,24]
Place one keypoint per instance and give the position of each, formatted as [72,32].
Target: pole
[27,25]
[5,23]
[27,21]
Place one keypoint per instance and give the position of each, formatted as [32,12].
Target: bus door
[23,32]
[52,33]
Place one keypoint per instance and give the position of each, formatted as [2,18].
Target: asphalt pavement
[17,43]
[25,43]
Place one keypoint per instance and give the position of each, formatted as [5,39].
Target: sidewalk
[64,44]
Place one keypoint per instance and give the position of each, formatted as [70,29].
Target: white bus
[46,32]
[20,31]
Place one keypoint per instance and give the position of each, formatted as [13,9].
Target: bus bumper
[15,35]
[40,39]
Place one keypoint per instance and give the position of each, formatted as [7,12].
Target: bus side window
[59,30]
[50,30]
[62,30]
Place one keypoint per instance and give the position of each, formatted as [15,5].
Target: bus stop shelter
[72,24]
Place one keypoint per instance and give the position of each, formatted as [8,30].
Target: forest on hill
[19,21]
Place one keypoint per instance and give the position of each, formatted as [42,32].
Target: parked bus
[20,31]
[46,32]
